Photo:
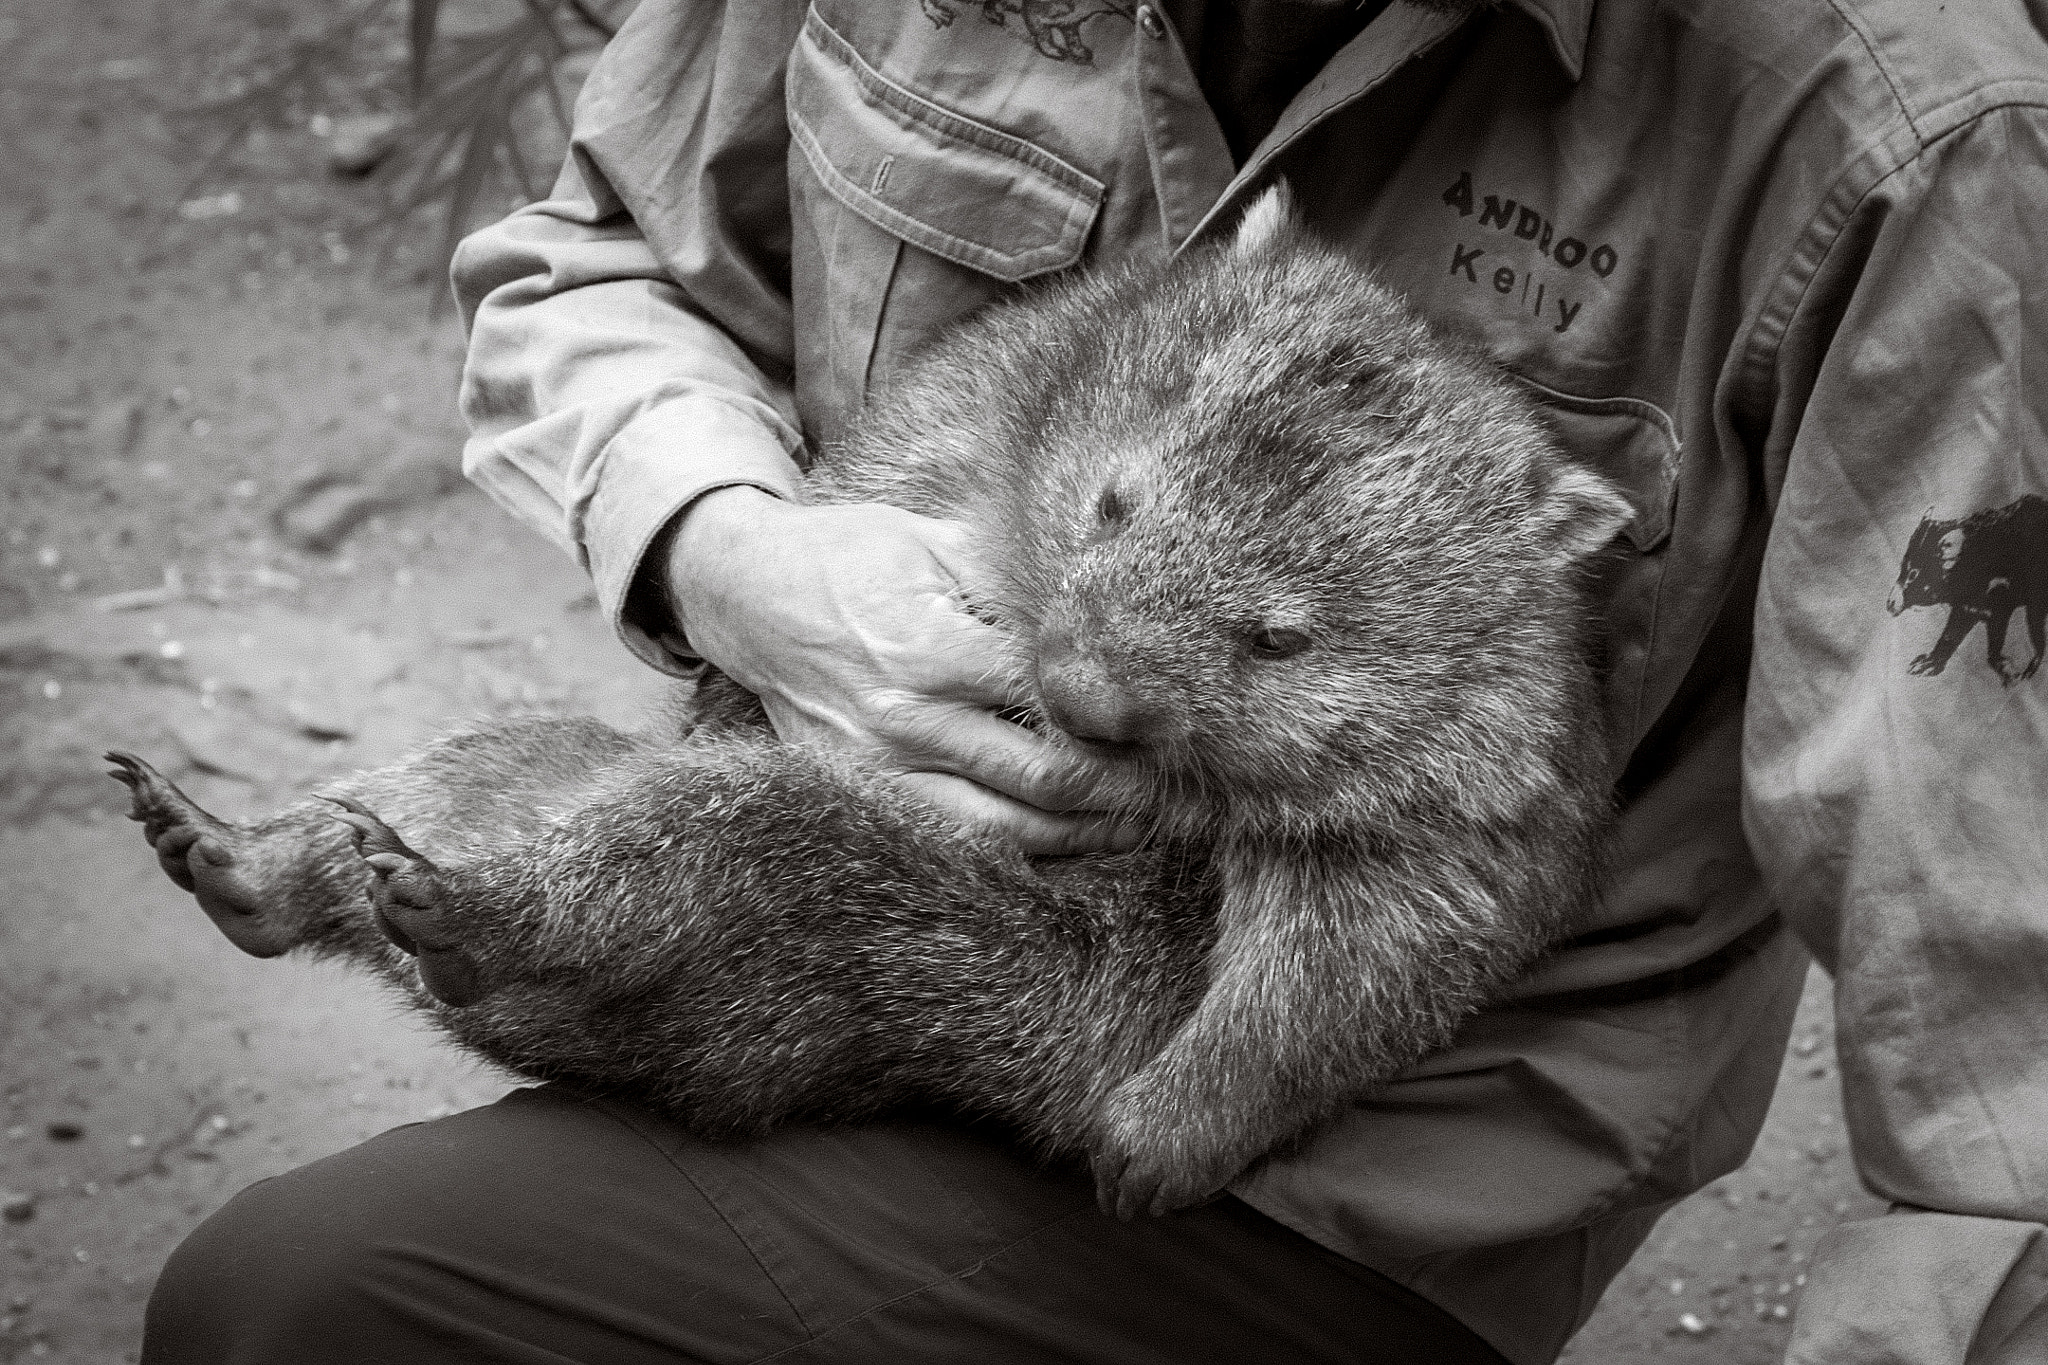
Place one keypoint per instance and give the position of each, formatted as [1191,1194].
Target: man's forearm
[600,408]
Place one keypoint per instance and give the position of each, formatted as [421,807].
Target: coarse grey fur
[1311,577]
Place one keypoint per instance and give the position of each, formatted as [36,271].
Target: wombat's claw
[1135,1173]
[1124,1193]
[406,895]
[1132,1184]
[1151,1155]
[1926,665]
[1107,1189]
[198,852]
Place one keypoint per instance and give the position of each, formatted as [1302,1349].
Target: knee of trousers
[271,1270]
[535,1219]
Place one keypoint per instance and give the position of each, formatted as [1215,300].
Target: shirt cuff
[1921,1288]
[654,468]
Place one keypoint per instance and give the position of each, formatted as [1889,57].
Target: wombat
[1308,574]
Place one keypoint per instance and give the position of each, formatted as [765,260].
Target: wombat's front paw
[1152,1155]
[1925,665]
[409,896]
[212,859]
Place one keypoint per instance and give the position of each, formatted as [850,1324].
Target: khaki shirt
[1778,267]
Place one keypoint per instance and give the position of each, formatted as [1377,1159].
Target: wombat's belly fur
[1310,574]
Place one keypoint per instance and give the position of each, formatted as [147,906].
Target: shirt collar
[1366,61]
[1564,23]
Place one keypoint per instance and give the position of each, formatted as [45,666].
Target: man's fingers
[849,624]
[964,659]
[1037,832]
[970,742]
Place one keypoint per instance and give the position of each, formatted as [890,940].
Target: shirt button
[1150,22]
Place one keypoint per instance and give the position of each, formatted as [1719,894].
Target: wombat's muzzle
[1083,696]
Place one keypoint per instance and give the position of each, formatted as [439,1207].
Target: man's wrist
[706,533]
[684,558]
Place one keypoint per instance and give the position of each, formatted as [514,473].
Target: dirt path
[167,380]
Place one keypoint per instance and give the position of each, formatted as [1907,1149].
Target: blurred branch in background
[482,122]
[477,96]
[275,89]
[440,115]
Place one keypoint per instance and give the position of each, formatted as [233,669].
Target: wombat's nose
[1093,713]
[1081,697]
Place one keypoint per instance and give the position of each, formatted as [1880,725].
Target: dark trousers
[555,1227]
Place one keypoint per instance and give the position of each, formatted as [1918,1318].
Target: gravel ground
[179,363]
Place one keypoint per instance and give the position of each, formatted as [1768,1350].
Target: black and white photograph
[895,682]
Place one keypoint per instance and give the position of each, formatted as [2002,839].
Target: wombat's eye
[1110,507]
[1277,642]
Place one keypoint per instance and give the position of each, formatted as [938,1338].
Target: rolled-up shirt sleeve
[1896,786]
[629,335]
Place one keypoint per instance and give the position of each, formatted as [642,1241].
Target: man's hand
[845,621]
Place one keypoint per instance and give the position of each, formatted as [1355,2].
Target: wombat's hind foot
[210,858]
[409,895]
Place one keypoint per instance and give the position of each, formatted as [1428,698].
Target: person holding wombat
[1756,267]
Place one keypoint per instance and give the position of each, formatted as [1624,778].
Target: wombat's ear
[1265,222]
[1584,512]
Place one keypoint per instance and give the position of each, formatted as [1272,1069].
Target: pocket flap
[957,188]
[1632,442]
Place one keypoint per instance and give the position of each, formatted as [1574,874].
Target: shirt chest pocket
[907,216]
[1635,444]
